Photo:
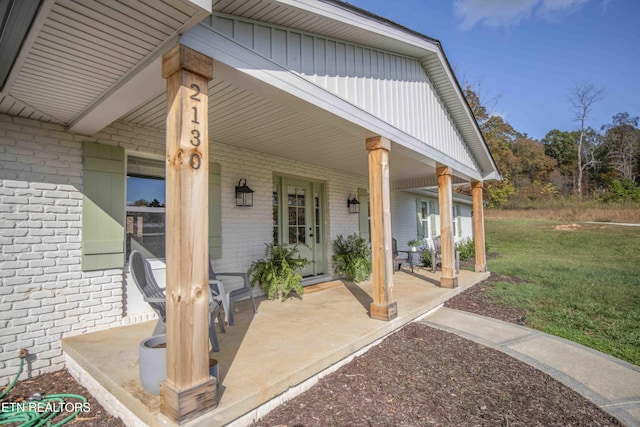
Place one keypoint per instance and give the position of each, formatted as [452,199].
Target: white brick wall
[44,295]
[246,230]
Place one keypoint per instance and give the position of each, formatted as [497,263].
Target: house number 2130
[195,161]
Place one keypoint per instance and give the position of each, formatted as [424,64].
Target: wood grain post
[188,390]
[383,307]
[448,279]
[478,226]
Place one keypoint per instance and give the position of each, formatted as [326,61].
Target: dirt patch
[567,227]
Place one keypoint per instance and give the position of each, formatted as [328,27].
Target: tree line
[585,162]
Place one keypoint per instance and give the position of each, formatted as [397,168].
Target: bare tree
[623,145]
[582,98]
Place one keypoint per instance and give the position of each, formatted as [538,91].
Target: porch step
[312,280]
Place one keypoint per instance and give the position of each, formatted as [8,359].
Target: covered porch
[264,358]
[315,92]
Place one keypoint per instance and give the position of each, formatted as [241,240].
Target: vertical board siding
[392,87]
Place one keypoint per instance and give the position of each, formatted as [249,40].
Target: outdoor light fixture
[353,204]
[244,195]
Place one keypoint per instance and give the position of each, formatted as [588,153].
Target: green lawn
[582,284]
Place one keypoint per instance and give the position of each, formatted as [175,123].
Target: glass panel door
[298,228]
[301,222]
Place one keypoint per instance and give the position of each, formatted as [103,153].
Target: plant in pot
[413,244]
[352,257]
[278,273]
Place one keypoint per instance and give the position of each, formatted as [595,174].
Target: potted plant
[278,272]
[352,257]
[413,244]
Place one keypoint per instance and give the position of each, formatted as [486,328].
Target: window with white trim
[145,207]
[428,219]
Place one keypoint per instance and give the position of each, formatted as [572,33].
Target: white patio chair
[230,295]
[436,255]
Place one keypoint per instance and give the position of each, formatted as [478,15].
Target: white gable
[391,87]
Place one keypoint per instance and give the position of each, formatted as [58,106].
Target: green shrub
[620,191]
[467,248]
[352,258]
[278,273]
[426,258]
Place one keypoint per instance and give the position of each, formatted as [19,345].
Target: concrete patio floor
[261,356]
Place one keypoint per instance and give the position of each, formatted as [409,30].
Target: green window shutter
[215,211]
[419,219]
[363,216]
[102,207]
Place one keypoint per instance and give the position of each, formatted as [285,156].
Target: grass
[582,280]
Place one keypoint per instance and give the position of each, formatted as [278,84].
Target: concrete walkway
[612,384]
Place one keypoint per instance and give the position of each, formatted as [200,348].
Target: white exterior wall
[44,295]
[392,87]
[466,222]
[244,230]
[404,222]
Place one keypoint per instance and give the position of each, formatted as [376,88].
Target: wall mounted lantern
[244,195]
[353,204]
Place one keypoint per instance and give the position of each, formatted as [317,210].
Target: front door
[300,220]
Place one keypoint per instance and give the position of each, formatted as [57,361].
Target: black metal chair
[155,296]
[397,259]
[229,296]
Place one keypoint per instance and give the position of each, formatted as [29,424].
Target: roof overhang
[116,93]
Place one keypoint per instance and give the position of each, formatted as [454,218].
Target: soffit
[83,48]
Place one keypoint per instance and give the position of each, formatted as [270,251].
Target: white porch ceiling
[241,118]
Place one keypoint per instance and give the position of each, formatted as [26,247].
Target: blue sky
[531,53]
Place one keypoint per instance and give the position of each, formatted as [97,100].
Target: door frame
[319,251]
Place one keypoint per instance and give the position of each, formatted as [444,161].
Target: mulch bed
[422,376]
[62,382]
[419,376]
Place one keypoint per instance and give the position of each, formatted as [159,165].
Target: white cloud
[498,13]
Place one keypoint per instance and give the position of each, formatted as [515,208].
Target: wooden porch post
[448,279]
[478,226]
[189,389]
[383,307]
